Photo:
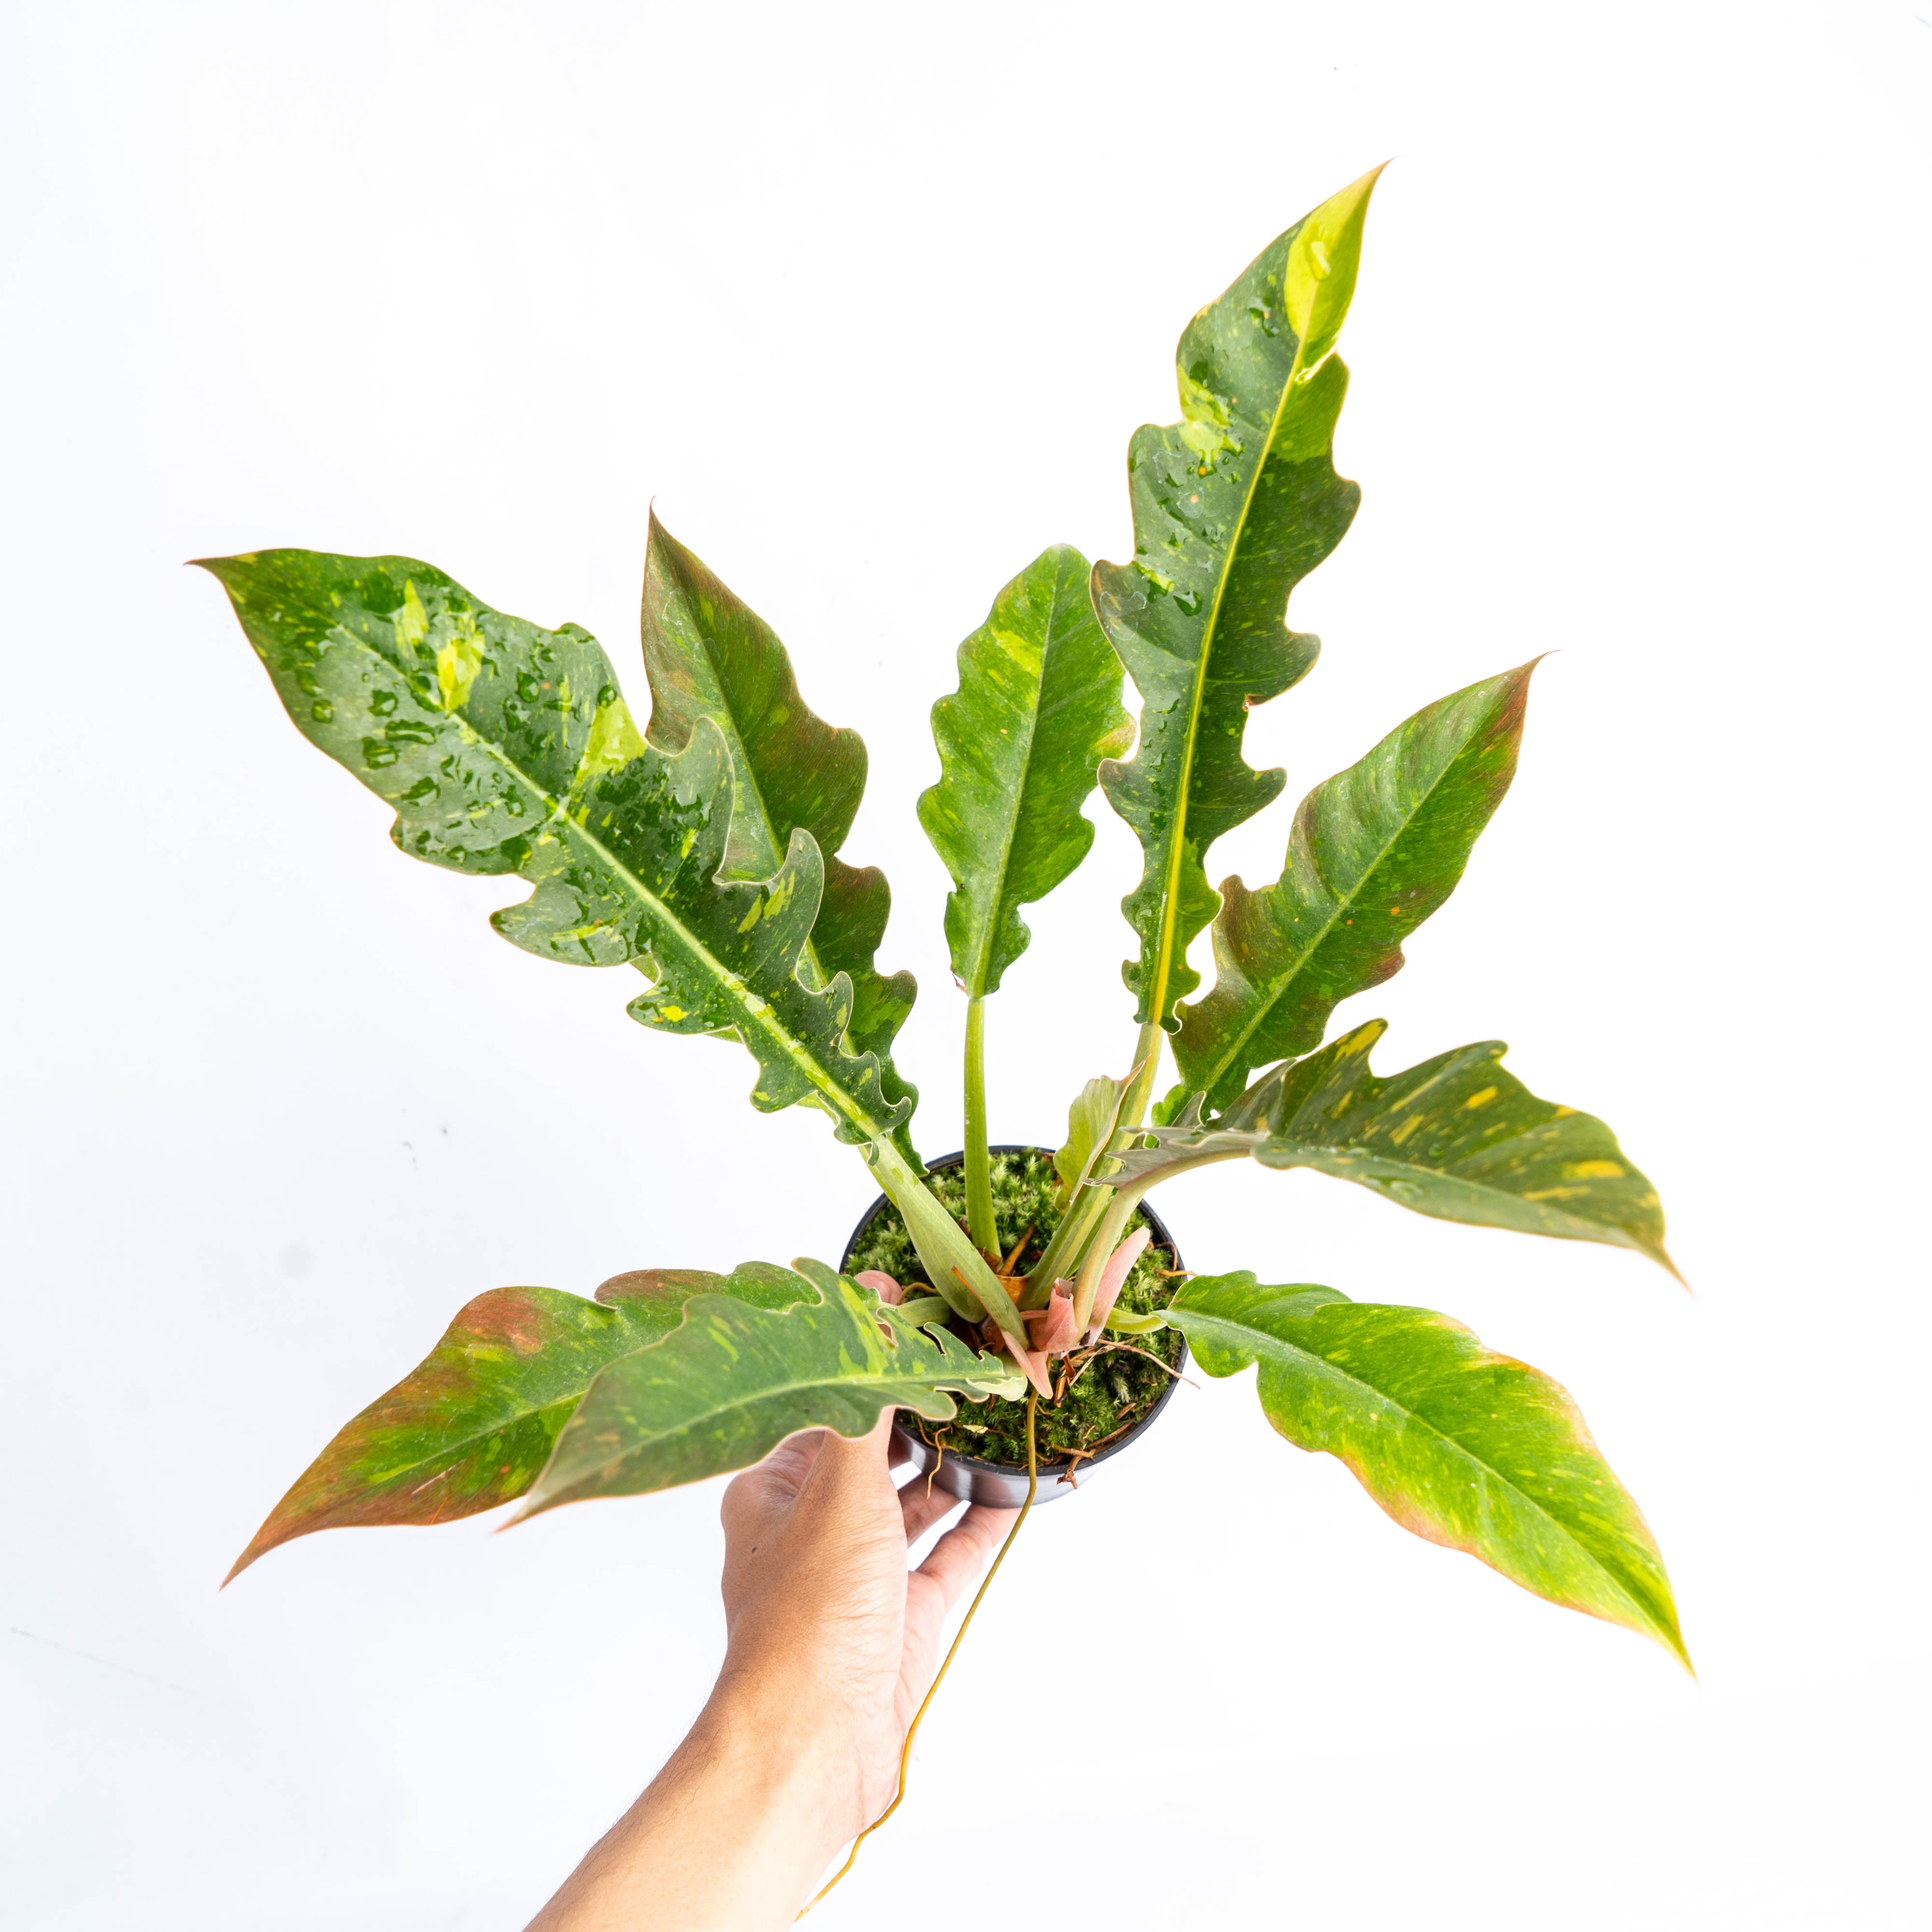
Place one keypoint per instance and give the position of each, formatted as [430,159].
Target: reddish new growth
[1050,1330]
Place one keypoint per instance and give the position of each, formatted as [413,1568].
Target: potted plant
[1022,1309]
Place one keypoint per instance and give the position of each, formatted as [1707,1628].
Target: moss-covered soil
[1110,1393]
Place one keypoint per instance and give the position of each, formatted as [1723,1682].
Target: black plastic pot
[1000,1484]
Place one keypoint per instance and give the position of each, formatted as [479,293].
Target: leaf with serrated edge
[1464,1447]
[1020,745]
[708,654]
[1374,850]
[505,748]
[1232,507]
[724,1390]
[1456,1138]
[473,1424]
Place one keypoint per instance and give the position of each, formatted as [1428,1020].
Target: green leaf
[1461,1445]
[729,1384]
[708,654]
[473,1424]
[1020,745]
[1375,850]
[505,748]
[1456,1138]
[1232,506]
[1091,1122]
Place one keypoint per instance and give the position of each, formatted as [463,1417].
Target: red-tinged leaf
[1113,1278]
[1052,1326]
[882,1284]
[1031,1362]
[473,1424]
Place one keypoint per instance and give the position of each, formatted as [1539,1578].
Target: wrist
[785,1748]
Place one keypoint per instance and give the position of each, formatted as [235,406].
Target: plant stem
[1147,1058]
[912,1729]
[1119,1212]
[979,1222]
[1071,1238]
[1064,1250]
[955,1267]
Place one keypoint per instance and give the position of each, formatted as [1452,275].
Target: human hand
[823,1617]
[832,1645]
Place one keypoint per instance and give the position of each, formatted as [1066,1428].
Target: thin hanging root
[912,1729]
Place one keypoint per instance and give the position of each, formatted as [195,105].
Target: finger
[923,1503]
[864,1452]
[961,1554]
[859,1460]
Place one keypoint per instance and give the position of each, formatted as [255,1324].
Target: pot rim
[1055,1479]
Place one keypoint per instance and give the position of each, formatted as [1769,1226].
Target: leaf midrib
[864,1383]
[1323,1366]
[1312,1154]
[1342,1153]
[1178,833]
[976,979]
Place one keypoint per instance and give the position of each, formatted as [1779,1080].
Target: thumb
[846,1461]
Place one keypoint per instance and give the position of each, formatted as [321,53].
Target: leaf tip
[270,1536]
[1319,277]
[1661,1627]
[1661,1256]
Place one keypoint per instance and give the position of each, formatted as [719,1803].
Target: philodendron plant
[704,852]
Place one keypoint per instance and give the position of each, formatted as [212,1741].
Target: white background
[869,300]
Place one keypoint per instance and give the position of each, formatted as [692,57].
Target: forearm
[832,1645]
[729,1837]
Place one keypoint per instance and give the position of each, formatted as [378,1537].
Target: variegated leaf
[505,748]
[708,654]
[1463,1446]
[1020,746]
[728,1386]
[1232,506]
[474,1422]
[1375,850]
[1456,1138]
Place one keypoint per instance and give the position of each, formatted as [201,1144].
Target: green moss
[1115,1391]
